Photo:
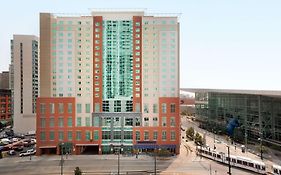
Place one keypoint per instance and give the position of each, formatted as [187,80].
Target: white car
[15,139]
[27,153]
[217,141]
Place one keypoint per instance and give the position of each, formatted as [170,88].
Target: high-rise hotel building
[109,79]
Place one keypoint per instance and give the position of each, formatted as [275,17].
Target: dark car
[18,148]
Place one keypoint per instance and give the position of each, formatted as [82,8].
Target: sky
[224,44]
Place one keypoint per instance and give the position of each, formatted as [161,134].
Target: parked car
[27,153]
[6,140]
[12,152]
[18,148]
[15,139]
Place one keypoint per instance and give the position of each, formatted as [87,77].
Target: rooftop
[236,91]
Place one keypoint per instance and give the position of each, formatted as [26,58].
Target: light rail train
[238,161]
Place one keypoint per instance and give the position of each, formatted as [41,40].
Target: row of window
[164,108]
[146,136]
[52,123]
[117,135]
[89,135]
[137,58]
[164,122]
[53,108]
[71,23]
[61,109]
[98,57]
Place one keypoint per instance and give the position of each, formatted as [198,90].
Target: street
[187,162]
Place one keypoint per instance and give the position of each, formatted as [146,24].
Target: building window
[96,135]
[79,108]
[106,135]
[88,108]
[146,135]
[96,121]
[173,121]
[164,121]
[117,135]
[78,135]
[138,121]
[155,108]
[145,109]
[137,107]
[52,135]
[61,110]
[42,136]
[42,108]
[60,121]
[69,108]
[128,121]
[164,135]
[155,135]
[88,121]
[52,122]
[97,107]
[52,108]
[128,135]
[43,122]
[69,135]
[173,108]
[164,108]
[69,121]
[79,121]
[137,135]
[155,121]
[173,135]
[60,135]
[146,121]
[88,135]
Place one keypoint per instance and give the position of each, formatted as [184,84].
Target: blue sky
[234,44]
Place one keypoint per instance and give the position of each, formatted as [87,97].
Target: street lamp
[61,159]
[214,132]
[155,156]
[119,149]
[261,152]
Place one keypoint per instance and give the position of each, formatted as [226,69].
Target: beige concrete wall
[160,61]
[23,124]
[45,54]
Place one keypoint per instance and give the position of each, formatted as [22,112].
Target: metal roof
[236,91]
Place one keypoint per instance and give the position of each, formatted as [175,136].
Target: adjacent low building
[5,106]
[4,80]
[258,113]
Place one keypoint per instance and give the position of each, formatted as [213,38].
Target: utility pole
[261,152]
[155,161]
[118,161]
[229,166]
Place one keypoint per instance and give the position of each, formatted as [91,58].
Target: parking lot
[13,144]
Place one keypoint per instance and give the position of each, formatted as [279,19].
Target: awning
[149,146]
[3,122]
[47,147]
[87,144]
